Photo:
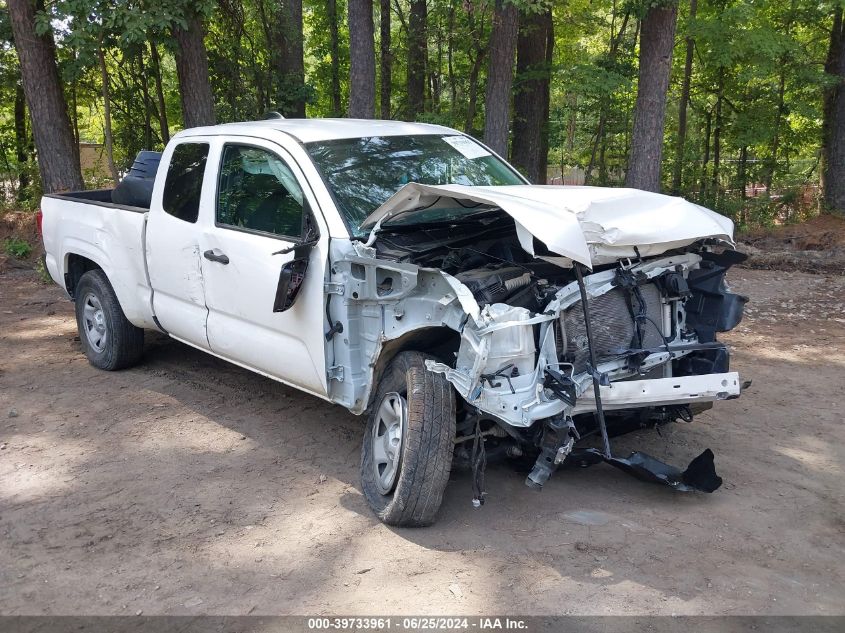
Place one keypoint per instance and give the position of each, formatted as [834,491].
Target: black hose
[478,460]
[593,365]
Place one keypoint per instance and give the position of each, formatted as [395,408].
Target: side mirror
[292,275]
[291,278]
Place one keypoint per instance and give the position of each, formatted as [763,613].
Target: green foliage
[43,273]
[759,61]
[17,247]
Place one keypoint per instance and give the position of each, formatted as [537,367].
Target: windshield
[363,173]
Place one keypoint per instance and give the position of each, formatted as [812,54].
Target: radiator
[613,326]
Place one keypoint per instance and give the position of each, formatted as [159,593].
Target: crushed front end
[647,342]
[585,313]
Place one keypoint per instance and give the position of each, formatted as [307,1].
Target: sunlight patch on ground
[814,454]
[24,478]
[44,328]
[769,349]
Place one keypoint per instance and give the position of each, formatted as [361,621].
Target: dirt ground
[815,246]
[190,486]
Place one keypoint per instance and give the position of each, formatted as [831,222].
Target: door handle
[215,255]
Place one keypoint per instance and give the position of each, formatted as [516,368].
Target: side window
[258,191]
[183,185]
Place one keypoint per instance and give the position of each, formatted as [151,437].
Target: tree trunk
[192,69]
[450,59]
[74,113]
[833,129]
[162,112]
[770,165]
[546,97]
[478,44]
[531,95]
[334,54]
[500,76]
[434,78]
[572,123]
[657,37]
[742,172]
[702,189]
[288,46]
[472,96]
[604,106]
[145,98]
[678,170]
[20,143]
[58,155]
[107,131]
[742,181]
[266,76]
[417,57]
[362,60]
[386,59]
[717,140]
[597,142]
[603,175]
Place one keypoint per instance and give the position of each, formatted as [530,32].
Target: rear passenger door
[262,205]
[173,241]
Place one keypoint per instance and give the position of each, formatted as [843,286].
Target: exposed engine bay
[562,316]
[653,320]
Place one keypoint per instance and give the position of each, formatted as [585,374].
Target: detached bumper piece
[699,476]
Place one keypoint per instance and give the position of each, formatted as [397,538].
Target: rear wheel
[110,341]
[408,443]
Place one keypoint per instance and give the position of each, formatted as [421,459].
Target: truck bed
[99,197]
[87,229]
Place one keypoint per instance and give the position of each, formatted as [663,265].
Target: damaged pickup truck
[406,272]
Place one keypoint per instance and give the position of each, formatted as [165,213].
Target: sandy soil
[188,486]
[814,246]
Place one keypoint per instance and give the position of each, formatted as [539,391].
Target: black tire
[124,342]
[427,444]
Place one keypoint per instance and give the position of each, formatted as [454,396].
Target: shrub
[17,247]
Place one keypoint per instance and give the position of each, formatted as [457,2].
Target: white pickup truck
[405,271]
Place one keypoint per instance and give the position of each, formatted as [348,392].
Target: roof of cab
[310,130]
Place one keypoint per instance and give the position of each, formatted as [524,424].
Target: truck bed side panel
[110,236]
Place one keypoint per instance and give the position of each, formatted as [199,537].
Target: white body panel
[112,238]
[173,261]
[591,225]
[173,256]
[242,326]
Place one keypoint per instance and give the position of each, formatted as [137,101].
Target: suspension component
[559,437]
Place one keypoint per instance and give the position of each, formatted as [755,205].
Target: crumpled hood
[590,225]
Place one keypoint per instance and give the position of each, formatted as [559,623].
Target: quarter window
[183,186]
[259,192]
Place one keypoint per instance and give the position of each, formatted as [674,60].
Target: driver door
[262,208]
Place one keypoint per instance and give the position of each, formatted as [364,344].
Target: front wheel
[110,341]
[408,443]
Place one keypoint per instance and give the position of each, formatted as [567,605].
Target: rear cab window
[183,185]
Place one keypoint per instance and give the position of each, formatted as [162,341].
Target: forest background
[736,104]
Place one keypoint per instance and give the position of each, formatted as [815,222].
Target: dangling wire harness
[479,464]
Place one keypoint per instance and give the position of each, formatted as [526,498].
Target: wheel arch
[438,341]
[77,265]
[78,261]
